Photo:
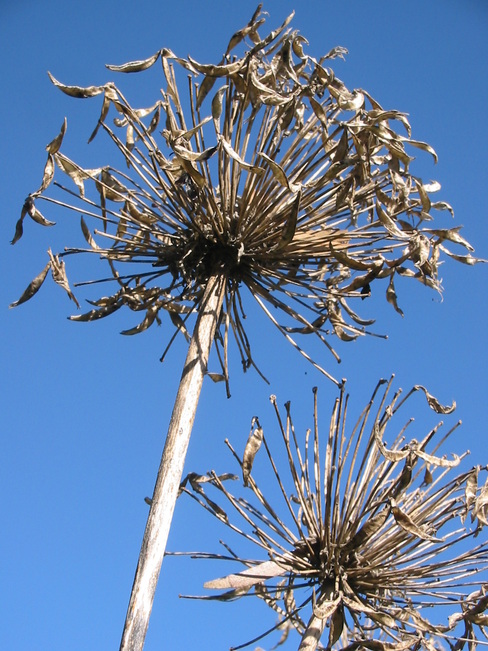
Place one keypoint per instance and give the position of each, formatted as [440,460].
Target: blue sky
[84,409]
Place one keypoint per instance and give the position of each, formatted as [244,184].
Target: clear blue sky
[84,409]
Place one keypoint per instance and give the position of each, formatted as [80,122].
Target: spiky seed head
[364,543]
[264,168]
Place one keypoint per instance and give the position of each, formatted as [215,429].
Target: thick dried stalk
[313,633]
[171,468]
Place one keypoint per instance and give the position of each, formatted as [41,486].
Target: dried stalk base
[171,468]
[313,633]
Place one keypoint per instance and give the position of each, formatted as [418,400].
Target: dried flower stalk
[370,540]
[272,176]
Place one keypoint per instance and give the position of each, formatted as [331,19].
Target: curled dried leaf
[437,461]
[247,578]
[391,296]
[406,523]
[39,218]
[136,66]
[434,403]
[252,446]
[148,320]
[222,70]
[235,156]
[48,174]
[452,235]
[279,174]
[95,314]
[77,91]
[33,287]
[54,145]
[88,236]
[58,273]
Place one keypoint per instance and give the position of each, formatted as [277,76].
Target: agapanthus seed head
[368,538]
[263,168]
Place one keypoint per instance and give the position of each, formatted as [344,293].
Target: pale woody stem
[316,625]
[171,468]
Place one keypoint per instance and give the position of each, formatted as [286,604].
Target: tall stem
[171,468]
[326,609]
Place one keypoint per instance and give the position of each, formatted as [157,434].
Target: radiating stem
[171,467]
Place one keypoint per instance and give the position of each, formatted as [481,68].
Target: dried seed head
[360,542]
[269,172]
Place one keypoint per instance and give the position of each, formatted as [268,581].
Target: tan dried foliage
[364,544]
[263,167]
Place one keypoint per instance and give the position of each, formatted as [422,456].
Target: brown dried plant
[369,539]
[289,185]
[269,175]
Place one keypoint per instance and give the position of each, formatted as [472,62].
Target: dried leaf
[279,173]
[178,322]
[391,296]
[48,174]
[88,236]
[216,377]
[39,218]
[342,147]
[194,156]
[136,66]
[388,223]
[249,30]
[217,107]
[54,145]
[222,70]
[19,230]
[33,287]
[58,273]
[391,455]
[290,224]
[437,461]
[434,403]
[252,446]
[425,147]
[451,234]
[94,315]
[235,156]
[470,490]
[337,623]
[247,578]
[406,523]
[351,263]
[480,509]
[424,197]
[465,259]
[77,174]
[369,528]
[77,91]
[148,320]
